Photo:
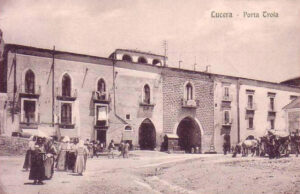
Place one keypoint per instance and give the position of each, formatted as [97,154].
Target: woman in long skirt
[37,169]
[72,156]
[61,163]
[81,155]
[31,144]
[49,162]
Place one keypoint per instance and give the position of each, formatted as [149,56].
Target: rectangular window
[226,117]
[128,116]
[29,111]
[226,91]
[66,113]
[272,124]
[272,104]
[101,116]
[250,101]
[250,122]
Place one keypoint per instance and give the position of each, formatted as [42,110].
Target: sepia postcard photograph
[150,96]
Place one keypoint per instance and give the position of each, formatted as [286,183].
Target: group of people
[72,155]
[42,155]
[95,148]
[275,144]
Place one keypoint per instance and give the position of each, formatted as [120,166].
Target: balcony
[251,107]
[272,109]
[101,97]
[227,123]
[66,124]
[189,103]
[29,92]
[66,96]
[30,123]
[227,98]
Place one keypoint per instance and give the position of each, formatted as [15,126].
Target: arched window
[146,94]
[189,91]
[29,82]
[127,58]
[142,60]
[101,89]
[156,62]
[66,113]
[66,85]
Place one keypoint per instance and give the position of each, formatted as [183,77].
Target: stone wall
[13,145]
[173,112]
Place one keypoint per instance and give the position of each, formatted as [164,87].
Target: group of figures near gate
[275,144]
[96,148]
[44,155]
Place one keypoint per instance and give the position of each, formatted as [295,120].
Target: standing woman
[71,155]
[37,170]
[61,161]
[31,144]
[81,153]
[49,162]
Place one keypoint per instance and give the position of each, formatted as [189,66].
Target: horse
[249,144]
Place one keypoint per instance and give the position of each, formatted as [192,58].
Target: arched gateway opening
[189,134]
[147,135]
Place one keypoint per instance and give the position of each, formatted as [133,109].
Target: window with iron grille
[29,111]
[66,113]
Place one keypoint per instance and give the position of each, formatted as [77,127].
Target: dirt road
[155,172]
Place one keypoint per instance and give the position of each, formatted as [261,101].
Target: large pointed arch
[147,135]
[190,133]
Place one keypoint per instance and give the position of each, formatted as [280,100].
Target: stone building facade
[188,108]
[133,96]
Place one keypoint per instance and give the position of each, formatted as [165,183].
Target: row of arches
[188,130]
[141,59]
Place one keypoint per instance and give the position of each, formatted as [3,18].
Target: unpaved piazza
[155,172]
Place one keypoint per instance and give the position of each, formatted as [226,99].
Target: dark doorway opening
[189,135]
[101,136]
[147,135]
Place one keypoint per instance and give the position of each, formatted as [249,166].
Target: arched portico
[189,131]
[147,135]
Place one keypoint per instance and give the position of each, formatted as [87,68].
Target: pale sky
[259,48]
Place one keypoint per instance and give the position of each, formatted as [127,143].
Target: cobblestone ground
[155,172]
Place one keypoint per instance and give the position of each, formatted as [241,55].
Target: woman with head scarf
[49,162]
[31,144]
[63,149]
[81,157]
[37,170]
